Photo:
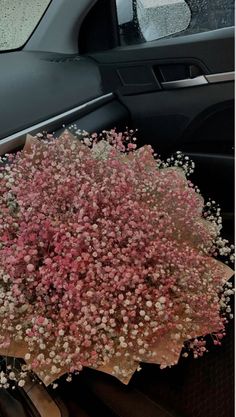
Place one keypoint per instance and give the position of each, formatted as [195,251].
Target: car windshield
[18,19]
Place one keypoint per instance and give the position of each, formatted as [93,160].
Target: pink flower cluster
[103,254]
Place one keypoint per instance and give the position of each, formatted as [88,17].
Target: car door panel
[165,116]
[170,115]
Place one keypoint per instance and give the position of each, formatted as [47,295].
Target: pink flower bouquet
[107,259]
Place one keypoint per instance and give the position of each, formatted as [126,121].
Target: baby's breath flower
[105,248]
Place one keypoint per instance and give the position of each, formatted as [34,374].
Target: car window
[18,19]
[147,20]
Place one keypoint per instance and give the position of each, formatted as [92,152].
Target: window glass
[18,19]
[147,20]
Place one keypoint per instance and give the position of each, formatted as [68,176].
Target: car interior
[178,92]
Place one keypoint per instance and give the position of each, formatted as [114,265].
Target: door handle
[198,81]
[188,82]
